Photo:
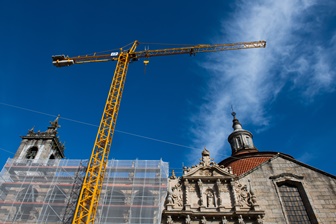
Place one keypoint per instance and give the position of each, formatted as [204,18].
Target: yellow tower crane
[88,199]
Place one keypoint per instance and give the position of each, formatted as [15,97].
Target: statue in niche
[188,220]
[210,199]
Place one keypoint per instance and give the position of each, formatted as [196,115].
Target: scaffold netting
[32,191]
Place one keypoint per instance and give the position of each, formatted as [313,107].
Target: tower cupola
[241,140]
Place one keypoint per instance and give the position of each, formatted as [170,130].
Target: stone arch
[114,208]
[28,194]
[143,202]
[26,210]
[56,198]
[56,195]
[144,197]
[31,152]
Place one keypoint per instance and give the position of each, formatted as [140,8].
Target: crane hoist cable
[87,203]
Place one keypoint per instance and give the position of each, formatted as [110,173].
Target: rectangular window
[293,204]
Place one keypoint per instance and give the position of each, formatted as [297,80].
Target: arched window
[31,153]
[56,201]
[295,203]
[26,211]
[114,209]
[28,194]
[142,209]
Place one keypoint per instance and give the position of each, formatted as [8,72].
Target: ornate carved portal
[209,193]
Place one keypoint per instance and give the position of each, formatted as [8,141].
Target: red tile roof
[243,165]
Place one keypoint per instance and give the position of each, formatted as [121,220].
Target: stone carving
[260,220]
[201,202]
[192,188]
[130,175]
[200,187]
[241,220]
[224,220]
[169,220]
[210,199]
[253,198]
[126,216]
[219,189]
[286,176]
[173,176]
[243,195]
[127,200]
[177,196]
[203,220]
[187,186]
[169,199]
[188,220]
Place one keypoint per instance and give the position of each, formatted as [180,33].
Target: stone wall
[319,187]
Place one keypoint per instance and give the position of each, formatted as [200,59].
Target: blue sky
[284,94]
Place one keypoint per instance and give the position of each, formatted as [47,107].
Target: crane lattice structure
[87,203]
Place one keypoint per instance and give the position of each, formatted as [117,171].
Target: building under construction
[39,186]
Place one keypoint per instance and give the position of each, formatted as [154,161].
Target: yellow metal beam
[92,185]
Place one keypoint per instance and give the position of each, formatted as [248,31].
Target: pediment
[211,171]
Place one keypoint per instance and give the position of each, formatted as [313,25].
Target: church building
[250,186]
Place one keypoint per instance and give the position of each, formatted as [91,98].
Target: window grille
[295,204]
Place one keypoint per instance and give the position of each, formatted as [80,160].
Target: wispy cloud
[298,54]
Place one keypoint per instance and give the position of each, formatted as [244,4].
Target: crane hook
[146,62]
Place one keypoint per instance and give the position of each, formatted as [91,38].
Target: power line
[93,125]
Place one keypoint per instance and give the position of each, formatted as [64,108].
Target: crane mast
[88,199]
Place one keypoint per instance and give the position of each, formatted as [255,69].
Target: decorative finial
[205,152]
[173,176]
[54,124]
[31,131]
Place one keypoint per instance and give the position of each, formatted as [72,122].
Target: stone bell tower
[41,145]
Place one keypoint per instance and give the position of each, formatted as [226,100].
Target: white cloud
[251,79]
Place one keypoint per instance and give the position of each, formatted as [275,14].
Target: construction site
[40,186]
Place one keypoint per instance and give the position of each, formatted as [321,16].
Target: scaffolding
[32,191]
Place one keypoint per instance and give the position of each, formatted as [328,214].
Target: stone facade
[210,193]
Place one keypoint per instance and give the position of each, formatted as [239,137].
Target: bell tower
[41,145]
[241,141]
